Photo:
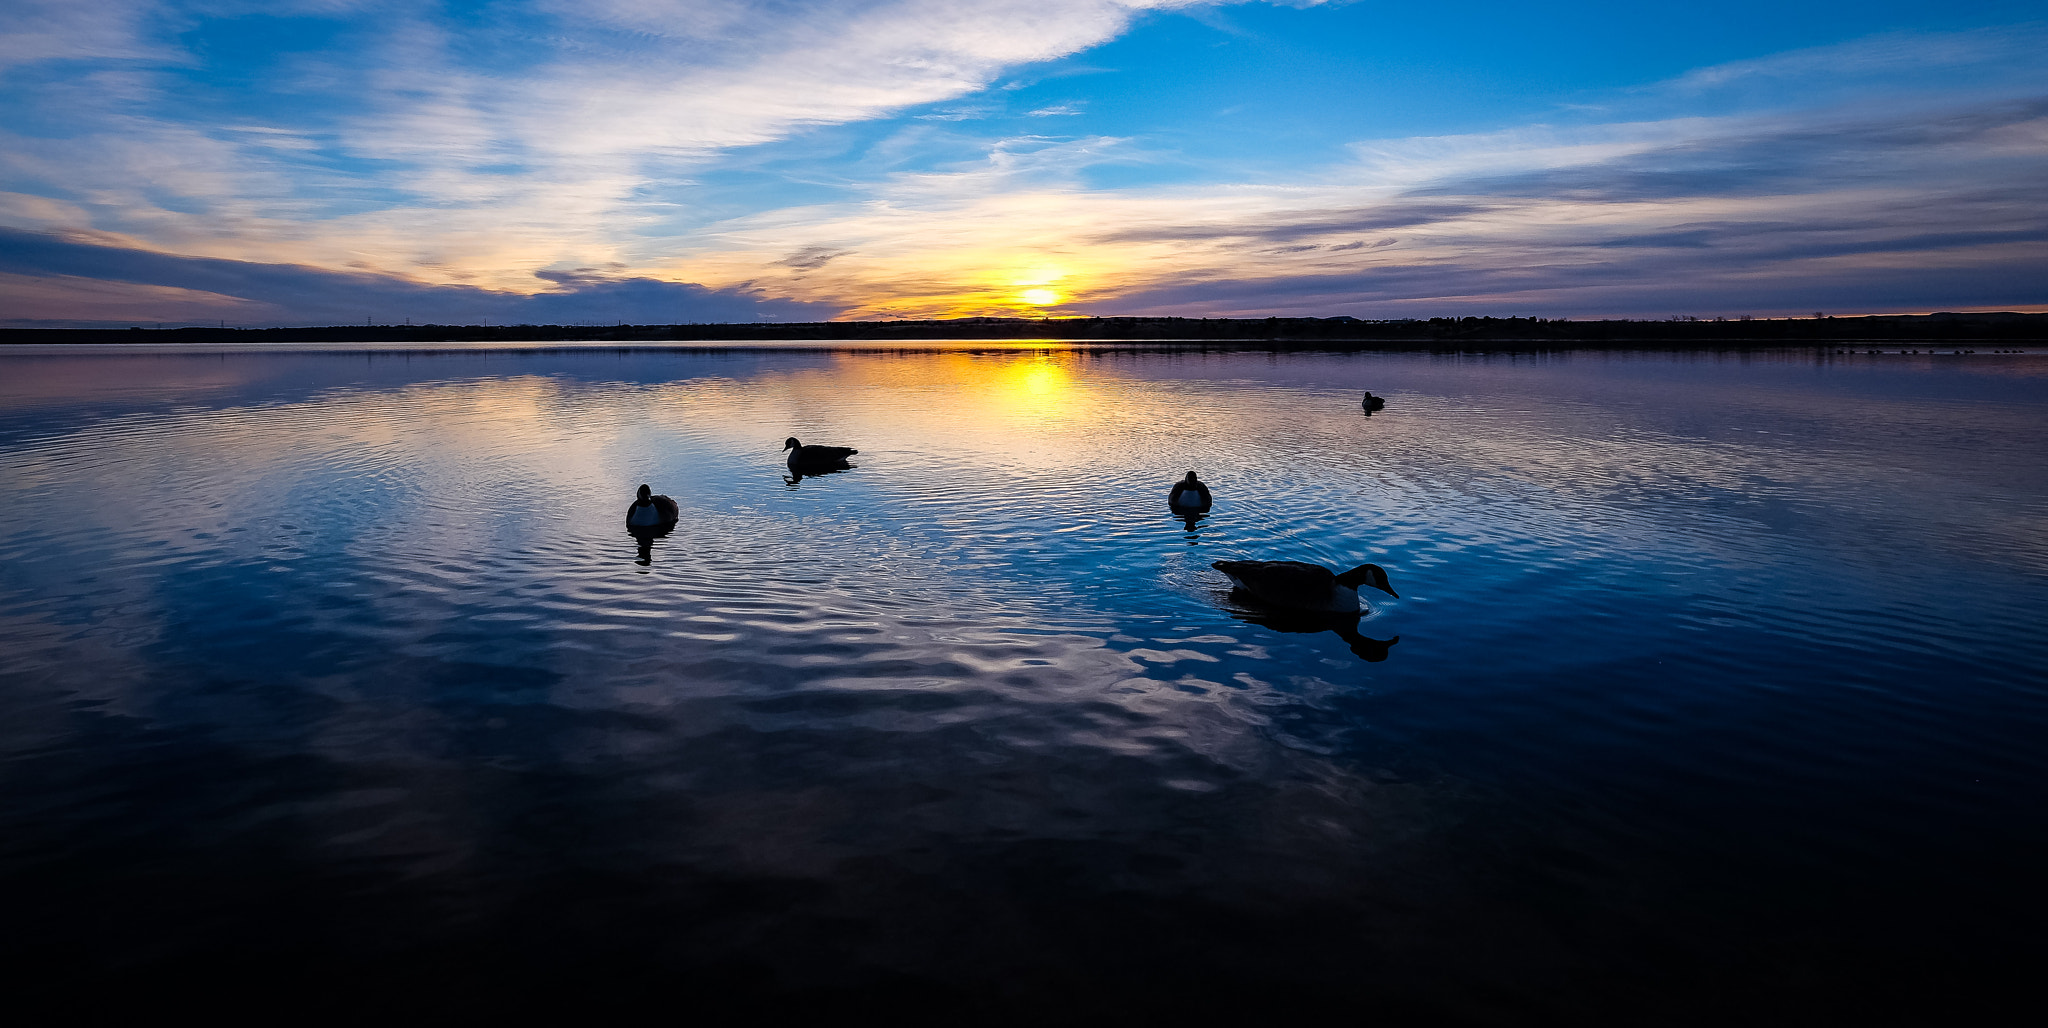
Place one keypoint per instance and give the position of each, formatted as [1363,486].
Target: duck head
[1368,574]
[790,443]
[645,494]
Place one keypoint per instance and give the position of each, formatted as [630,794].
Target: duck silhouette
[650,517]
[1372,403]
[1295,585]
[651,513]
[1292,596]
[809,460]
[1189,494]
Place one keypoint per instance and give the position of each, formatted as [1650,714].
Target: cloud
[1361,244]
[36,268]
[1637,288]
[1893,59]
[811,258]
[1798,151]
[35,31]
[1791,208]
[561,130]
[411,158]
[963,113]
[1396,213]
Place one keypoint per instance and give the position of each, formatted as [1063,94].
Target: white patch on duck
[1189,493]
[651,510]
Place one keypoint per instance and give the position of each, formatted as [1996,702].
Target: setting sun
[1039,297]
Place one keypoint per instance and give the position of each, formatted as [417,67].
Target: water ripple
[1657,618]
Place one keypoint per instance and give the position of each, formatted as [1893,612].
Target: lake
[1714,690]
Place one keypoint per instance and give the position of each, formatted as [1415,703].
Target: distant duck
[806,460]
[651,512]
[1372,403]
[1299,586]
[1189,493]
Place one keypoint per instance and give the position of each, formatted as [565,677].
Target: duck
[1297,585]
[806,459]
[1189,493]
[1372,403]
[651,512]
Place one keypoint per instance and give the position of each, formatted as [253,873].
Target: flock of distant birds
[1289,595]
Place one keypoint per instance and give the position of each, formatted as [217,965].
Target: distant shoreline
[1281,333]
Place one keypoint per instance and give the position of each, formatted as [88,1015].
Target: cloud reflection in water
[979,701]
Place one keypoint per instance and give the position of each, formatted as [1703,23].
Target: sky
[319,162]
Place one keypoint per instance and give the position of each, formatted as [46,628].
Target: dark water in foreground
[1718,691]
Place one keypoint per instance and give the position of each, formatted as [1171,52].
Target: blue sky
[327,161]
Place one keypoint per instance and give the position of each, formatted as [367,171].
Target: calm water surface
[1718,687]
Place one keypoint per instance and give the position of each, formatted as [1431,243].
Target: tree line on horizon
[1687,330]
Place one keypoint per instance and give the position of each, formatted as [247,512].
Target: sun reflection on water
[400,597]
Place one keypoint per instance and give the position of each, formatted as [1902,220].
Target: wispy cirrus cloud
[40,31]
[526,136]
[1923,198]
[889,158]
[1887,62]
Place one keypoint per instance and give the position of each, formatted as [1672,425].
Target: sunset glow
[668,161]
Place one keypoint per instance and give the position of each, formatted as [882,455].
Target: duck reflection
[796,476]
[645,535]
[1309,622]
[1189,518]
[646,538]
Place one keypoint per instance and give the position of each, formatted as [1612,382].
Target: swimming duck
[1372,403]
[1189,493]
[807,459]
[1299,586]
[651,512]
